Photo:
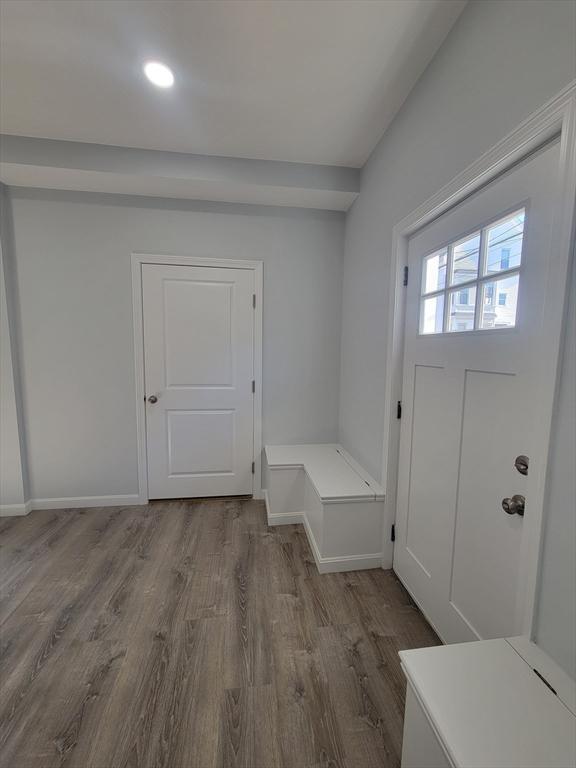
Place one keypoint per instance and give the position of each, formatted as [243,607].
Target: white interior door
[473,333]
[199,370]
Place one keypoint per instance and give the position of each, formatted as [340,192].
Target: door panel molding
[556,118]
[137,261]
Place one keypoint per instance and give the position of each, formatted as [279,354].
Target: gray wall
[13,481]
[500,62]
[555,628]
[74,292]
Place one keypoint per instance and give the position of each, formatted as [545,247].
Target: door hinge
[399,409]
[546,683]
[253,467]
[393,533]
[253,386]
[405,275]
[254,300]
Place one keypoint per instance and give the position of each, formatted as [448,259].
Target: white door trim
[138,259]
[555,118]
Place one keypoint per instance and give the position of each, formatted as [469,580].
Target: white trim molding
[69,502]
[77,502]
[281,518]
[137,260]
[15,510]
[557,118]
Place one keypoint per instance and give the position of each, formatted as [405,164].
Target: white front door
[473,336]
[199,370]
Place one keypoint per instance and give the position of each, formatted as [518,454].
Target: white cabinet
[484,705]
[421,747]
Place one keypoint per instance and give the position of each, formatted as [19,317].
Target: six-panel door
[199,370]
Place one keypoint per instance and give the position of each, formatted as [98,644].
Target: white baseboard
[343,564]
[77,502]
[15,510]
[292,518]
[74,502]
[282,518]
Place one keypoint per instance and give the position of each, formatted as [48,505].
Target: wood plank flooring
[188,634]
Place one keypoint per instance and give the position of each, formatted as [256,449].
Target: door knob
[152,399]
[515,505]
[521,463]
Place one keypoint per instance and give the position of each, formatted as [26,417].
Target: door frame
[556,118]
[257,267]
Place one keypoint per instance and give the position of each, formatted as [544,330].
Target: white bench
[340,506]
[484,704]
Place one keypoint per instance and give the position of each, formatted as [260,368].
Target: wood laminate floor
[188,634]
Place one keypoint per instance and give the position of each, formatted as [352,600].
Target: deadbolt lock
[521,463]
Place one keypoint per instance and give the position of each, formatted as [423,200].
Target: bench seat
[333,473]
[339,504]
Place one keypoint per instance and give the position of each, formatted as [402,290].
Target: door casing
[556,118]
[137,260]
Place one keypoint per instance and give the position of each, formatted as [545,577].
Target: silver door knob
[152,399]
[514,505]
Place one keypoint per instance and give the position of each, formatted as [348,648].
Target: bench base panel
[337,561]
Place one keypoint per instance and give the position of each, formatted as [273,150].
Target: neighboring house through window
[472,283]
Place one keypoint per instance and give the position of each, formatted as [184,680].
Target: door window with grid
[472,283]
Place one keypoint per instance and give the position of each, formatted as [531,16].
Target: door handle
[514,505]
[521,463]
[152,399]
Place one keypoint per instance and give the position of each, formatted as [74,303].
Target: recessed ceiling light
[159,74]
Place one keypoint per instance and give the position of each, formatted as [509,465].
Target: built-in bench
[500,703]
[340,505]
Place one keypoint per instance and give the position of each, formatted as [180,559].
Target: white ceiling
[313,81]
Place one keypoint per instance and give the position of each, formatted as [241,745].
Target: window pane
[461,309]
[435,272]
[465,260]
[504,240]
[432,314]
[500,311]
